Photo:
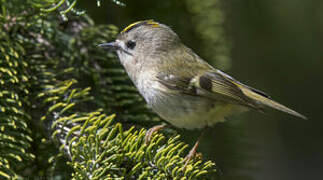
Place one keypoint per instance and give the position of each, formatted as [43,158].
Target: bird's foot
[191,155]
[150,132]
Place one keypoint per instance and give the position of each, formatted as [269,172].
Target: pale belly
[191,112]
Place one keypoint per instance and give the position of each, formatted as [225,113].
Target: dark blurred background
[275,46]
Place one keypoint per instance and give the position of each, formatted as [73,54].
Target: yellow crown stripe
[140,23]
[130,26]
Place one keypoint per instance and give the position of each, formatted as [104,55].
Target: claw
[150,132]
[192,152]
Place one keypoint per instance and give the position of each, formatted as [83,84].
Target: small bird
[178,85]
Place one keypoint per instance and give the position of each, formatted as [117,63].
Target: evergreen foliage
[57,89]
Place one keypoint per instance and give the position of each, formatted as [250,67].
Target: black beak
[110,45]
[114,46]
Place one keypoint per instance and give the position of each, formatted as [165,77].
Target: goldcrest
[177,84]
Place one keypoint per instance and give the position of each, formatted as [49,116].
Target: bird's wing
[215,84]
[212,84]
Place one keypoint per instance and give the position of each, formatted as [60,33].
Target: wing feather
[210,84]
[223,88]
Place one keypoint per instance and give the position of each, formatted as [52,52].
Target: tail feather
[270,103]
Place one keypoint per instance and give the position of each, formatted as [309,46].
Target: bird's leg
[192,152]
[150,132]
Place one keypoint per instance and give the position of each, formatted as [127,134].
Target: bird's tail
[262,99]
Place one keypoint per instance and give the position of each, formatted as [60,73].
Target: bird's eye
[131,44]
